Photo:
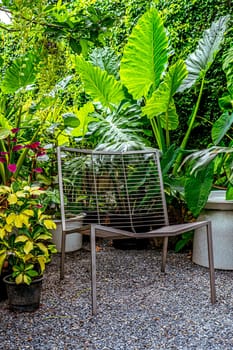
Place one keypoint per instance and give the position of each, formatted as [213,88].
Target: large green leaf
[98,84]
[197,189]
[20,74]
[228,69]
[145,55]
[120,129]
[201,59]
[106,59]
[221,126]
[161,103]
[84,118]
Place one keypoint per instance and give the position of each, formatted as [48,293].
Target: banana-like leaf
[161,103]
[145,55]
[201,59]
[221,126]
[197,189]
[20,74]
[98,84]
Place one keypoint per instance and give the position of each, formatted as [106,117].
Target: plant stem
[157,130]
[190,127]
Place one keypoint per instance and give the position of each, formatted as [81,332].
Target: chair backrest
[120,189]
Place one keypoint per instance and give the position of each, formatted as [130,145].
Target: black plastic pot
[3,292]
[23,297]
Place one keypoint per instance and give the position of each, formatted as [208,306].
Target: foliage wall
[54,30]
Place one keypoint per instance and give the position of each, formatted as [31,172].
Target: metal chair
[121,195]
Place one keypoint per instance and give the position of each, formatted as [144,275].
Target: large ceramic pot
[73,240]
[220,212]
[23,297]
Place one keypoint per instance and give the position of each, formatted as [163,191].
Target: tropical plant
[144,73]
[198,63]
[118,128]
[25,232]
[18,159]
[137,80]
[213,166]
[26,116]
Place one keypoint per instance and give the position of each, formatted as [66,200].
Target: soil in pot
[23,297]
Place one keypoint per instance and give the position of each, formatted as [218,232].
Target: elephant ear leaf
[162,103]
[221,126]
[228,69]
[208,46]
[106,59]
[98,84]
[197,189]
[145,55]
[20,74]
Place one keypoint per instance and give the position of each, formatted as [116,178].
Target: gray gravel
[138,306]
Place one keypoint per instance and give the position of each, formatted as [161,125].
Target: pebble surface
[138,306]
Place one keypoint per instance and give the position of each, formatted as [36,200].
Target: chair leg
[93,270]
[211,263]
[62,262]
[164,254]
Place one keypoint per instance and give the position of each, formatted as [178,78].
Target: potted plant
[25,243]
[216,207]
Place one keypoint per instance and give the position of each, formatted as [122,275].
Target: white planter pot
[220,212]
[73,240]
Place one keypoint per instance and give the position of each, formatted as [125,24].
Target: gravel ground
[138,306]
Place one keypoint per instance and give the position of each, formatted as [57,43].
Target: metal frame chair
[122,196]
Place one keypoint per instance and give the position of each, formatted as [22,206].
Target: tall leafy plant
[142,70]
[218,157]
[23,115]
[145,74]
[198,63]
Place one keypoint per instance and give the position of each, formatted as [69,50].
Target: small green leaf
[32,273]
[70,120]
[225,102]
[4,133]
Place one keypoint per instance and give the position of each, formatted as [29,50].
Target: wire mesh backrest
[122,190]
